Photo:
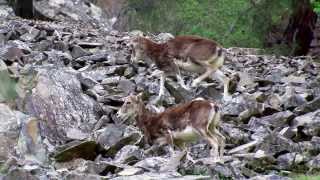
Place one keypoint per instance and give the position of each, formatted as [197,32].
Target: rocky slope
[70,81]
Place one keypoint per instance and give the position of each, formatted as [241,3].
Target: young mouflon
[188,53]
[177,125]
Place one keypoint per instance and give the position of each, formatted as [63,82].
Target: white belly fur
[189,66]
[187,134]
[216,62]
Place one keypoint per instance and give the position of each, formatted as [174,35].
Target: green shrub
[7,88]
[230,22]
[316,5]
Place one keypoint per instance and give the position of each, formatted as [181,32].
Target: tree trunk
[23,8]
[299,32]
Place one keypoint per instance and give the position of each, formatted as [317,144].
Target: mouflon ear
[140,96]
[126,98]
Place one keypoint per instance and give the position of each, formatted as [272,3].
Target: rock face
[70,79]
[9,130]
[57,100]
[61,10]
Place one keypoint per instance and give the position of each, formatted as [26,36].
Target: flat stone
[114,137]
[78,51]
[77,149]
[129,154]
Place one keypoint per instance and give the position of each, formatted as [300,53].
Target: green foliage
[304,177]
[7,88]
[316,5]
[230,22]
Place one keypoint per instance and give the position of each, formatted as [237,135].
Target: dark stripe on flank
[219,52]
[216,108]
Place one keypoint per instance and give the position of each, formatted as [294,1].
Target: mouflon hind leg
[182,84]
[225,80]
[206,74]
[161,88]
[214,143]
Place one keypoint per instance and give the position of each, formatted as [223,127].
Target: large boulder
[56,98]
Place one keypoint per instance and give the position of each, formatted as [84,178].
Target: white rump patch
[198,98]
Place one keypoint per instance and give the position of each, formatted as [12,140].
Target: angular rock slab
[310,123]
[86,150]
[114,137]
[9,130]
[57,100]
[30,143]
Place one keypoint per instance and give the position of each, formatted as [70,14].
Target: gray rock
[19,173]
[43,45]
[31,35]
[58,58]
[314,164]
[114,137]
[86,81]
[242,107]
[286,161]
[61,46]
[30,143]
[82,176]
[274,100]
[98,73]
[103,121]
[200,150]
[273,144]
[275,120]
[84,44]
[309,122]
[152,164]
[291,99]
[163,176]
[111,81]
[20,45]
[70,165]
[126,86]
[315,141]
[315,86]
[11,53]
[9,130]
[77,149]
[129,154]
[269,177]
[101,57]
[129,72]
[72,11]
[78,51]
[260,132]
[83,166]
[58,101]
[76,134]
[308,107]
[236,135]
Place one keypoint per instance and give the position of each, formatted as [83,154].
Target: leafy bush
[7,88]
[230,22]
[316,5]
[304,177]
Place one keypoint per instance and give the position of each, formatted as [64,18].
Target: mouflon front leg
[206,74]
[225,80]
[161,89]
[178,75]
[181,82]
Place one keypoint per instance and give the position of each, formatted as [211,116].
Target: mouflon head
[139,48]
[130,107]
